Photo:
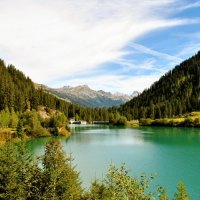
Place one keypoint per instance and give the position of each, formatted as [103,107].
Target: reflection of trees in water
[172,135]
[36,146]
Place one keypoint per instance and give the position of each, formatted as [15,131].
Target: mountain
[83,95]
[134,94]
[176,93]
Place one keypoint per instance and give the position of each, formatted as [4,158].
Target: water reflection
[172,136]
[106,135]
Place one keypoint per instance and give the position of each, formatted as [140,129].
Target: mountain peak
[135,94]
[84,95]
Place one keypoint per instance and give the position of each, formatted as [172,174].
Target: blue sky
[117,46]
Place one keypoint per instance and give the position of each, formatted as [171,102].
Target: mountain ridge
[84,95]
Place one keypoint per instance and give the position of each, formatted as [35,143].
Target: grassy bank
[133,123]
[11,134]
[43,122]
[188,120]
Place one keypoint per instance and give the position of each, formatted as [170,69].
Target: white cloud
[189,49]
[152,52]
[147,64]
[190,5]
[50,40]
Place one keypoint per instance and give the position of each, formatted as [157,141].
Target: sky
[112,45]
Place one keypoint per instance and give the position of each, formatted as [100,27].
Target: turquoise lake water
[172,153]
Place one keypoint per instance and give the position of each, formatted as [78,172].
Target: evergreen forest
[175,93]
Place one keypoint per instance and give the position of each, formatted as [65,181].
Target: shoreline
[8,137]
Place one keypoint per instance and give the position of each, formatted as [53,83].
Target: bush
[146,122]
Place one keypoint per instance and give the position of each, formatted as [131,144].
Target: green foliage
[5,118]
[8,172]
[117,119]
[58,120]
[32,124]
[118,185]
[13,119]
[61,181]
[8,119]
[162,194]
[181,193]
[76,117]
[57,124]
[20,130]
[122,186]
[133,123]
[189,120]
[98,190]
[192,121]
[146,122]
[16,172]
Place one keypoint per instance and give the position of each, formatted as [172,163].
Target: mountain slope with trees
[176,93]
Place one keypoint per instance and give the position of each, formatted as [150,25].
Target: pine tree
[16,172]
[13,119]
[61,181]
[181,193]
[162,194]
[8,172]
[20,130]
[5,118]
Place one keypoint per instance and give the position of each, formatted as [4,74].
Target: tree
[162,194]
[8,172]
[76,117]
[32,124]
[20,130]
[16,172]
[98,190]
[181,193]
[152,110]
[61,180]
[5,118]
[13,119]
[122,186]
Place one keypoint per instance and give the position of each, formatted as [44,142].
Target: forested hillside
[176,93]
[17,91]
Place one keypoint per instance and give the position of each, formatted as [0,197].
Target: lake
[172,153]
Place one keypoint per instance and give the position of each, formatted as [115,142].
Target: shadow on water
[171,135]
